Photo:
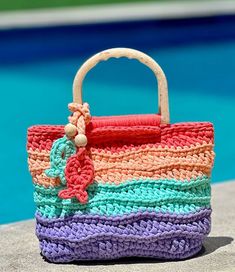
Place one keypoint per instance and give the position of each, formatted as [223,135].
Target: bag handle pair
[131,54]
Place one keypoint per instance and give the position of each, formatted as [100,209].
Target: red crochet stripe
[125,121]
[106,131]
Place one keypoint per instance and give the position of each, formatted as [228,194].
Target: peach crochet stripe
[119,175]
[120,151]
[119,171]
[153,153]
[145,163]
[180,175]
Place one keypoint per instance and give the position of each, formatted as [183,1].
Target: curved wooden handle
[131,54]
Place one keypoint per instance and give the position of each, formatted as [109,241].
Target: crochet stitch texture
[146,188]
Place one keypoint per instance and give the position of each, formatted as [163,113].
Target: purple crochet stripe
[147,234]
[125,219]
[73,232]
[170,249]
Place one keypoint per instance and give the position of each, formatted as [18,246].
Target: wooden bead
[80,140]
[70,130]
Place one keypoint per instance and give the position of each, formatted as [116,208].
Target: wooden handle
[131,54]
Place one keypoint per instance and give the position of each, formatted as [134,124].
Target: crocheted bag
[119,186]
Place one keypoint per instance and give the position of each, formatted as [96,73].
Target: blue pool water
[37,90]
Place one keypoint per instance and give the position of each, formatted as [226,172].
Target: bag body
[121,186]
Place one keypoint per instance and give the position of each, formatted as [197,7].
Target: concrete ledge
[19,247]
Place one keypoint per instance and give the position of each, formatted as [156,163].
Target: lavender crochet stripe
[125,219]
[151,234]
[170,249]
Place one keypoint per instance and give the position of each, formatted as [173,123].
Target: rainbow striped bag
[121,186]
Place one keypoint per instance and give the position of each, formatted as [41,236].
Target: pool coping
[114,13]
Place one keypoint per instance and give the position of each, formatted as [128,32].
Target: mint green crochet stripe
[131,196]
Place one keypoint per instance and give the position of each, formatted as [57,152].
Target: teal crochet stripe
[131,196]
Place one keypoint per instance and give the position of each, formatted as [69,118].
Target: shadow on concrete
[210,245]
[213,243]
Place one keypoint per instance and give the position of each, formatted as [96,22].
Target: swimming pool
[37,67]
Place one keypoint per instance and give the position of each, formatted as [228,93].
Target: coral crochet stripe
[147,184]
